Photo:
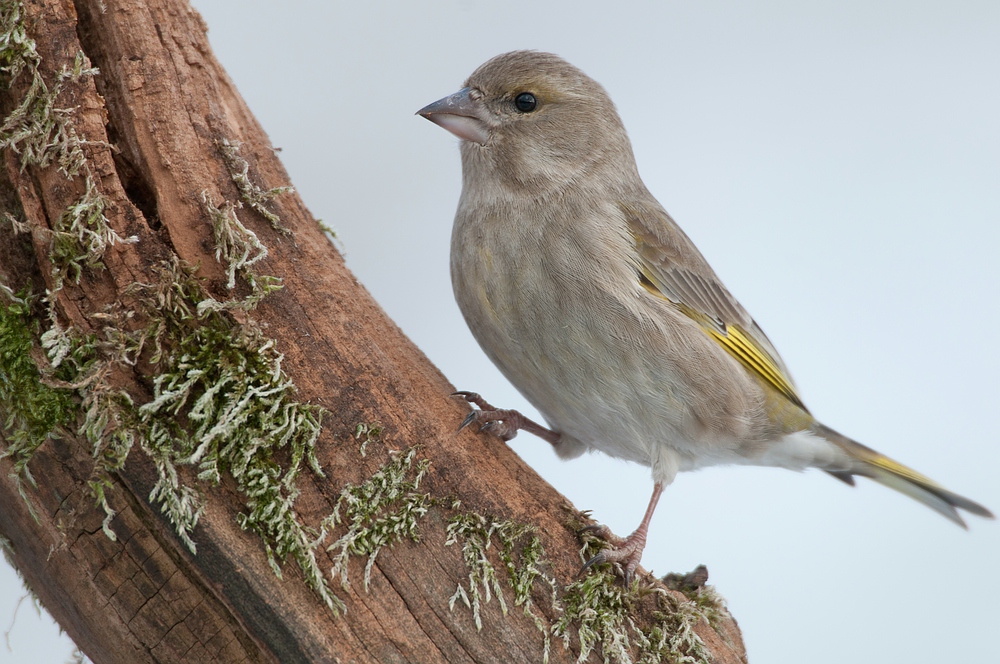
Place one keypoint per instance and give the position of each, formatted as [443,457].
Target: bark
[152,127]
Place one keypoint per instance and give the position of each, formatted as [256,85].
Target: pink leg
[628,550]
[502,423]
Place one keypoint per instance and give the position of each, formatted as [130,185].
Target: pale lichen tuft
[250,194]
[520,551]
[366,432]
[378,512]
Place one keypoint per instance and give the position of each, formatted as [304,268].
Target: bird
[591,300]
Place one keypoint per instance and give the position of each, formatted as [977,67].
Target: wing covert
[674,270]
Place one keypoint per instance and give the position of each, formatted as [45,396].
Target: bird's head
[528,118]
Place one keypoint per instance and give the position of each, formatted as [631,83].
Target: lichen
[42,133]
[17,49]
[378,512]
[672,637]
[520,551]
[235,244]
[603,612]
[36,129]
[222,404]
[79,365]
[692,585]
[239,249]
[366,432]
[81,235]
[251,194]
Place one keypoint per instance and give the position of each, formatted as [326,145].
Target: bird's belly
[573,362]
[609,366]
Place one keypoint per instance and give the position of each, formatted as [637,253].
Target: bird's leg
[627,551]
[502,423]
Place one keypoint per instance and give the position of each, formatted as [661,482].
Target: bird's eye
[525,102]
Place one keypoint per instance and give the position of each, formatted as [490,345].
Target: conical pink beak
[461,115]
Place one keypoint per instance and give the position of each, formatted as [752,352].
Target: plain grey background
[838,163]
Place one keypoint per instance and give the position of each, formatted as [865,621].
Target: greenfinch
[593,302]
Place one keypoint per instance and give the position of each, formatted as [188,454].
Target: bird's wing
[671,267]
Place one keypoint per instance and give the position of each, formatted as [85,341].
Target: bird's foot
[503,424]
[626,552]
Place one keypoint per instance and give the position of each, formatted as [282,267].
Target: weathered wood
[152,123]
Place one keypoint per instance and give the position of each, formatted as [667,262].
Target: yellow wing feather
[737,342]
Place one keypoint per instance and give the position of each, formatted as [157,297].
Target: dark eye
[525,102]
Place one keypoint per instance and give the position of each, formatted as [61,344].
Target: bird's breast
[551,296]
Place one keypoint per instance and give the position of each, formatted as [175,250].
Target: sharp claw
[599,559]
[468,396]
[469,419]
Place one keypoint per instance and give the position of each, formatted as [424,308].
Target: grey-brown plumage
[592,301]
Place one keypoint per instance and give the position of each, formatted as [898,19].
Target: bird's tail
[867,462]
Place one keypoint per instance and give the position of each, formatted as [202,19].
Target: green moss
[672,638]
[17,49]
[378,512]
[222,404]
[31,412]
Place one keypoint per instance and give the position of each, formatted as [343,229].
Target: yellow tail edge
[890,473]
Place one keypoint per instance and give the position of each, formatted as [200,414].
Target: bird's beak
[461,115]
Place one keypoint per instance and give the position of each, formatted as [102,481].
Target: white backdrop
[839,166]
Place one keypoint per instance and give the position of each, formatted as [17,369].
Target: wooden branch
[156,144]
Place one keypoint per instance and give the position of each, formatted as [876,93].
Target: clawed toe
[603,532]
[473,398]
[503,424]
[599,559]
[625,551]
[492,422]
[491,418]
[469,419]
